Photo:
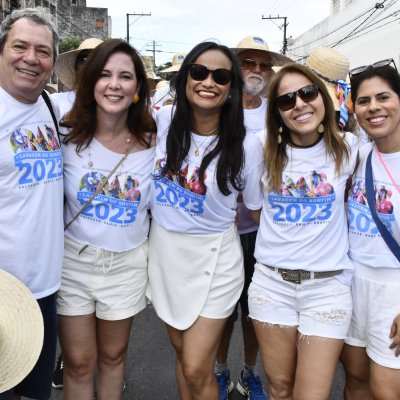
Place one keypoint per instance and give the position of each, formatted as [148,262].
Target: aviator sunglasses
[250,65]
[200,72]
[378,64]
[307,93]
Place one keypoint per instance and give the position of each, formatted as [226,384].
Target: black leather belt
[298,275]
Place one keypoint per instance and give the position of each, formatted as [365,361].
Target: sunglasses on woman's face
[307,93]
[378,64]
[200,72]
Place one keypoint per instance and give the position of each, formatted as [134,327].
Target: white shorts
[107,283]
[376,298]
[317,307]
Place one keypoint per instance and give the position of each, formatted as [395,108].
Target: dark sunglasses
[378,64]
[307,93]
[200,72]
[250,65]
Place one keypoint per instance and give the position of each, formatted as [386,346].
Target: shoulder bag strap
[47,100]
[369,187]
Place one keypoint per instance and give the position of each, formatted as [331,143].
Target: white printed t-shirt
[117,219]
[180,204]
[305,226]
[254,121]
[366,244]
[65,101]
[31,195]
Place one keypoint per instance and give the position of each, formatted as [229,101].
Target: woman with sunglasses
[202,163]
[372,349]
[299,298]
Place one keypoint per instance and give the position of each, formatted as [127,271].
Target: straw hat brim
[331,87]
[276,58]
[65,67]
[21,331]
[173,68]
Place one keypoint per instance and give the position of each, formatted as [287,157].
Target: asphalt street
[150,373]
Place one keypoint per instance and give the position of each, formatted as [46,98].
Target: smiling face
[207,95]
[26,62]
[117,85]
[378,112]
[255,81]
[304,118]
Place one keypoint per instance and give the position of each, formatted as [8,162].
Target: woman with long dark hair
[108,156]
[202,163]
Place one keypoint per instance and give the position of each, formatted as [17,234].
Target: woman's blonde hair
[275,153]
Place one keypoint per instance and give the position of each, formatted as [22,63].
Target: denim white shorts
[376,298]
[317,307]
[107,283]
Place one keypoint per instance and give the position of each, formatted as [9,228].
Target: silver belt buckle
[293,276]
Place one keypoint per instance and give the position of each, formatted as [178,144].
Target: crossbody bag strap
[369,188]
[47,100]
[99,189]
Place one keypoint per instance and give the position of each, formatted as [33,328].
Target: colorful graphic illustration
[26,140]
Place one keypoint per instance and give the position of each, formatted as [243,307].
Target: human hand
[395,335]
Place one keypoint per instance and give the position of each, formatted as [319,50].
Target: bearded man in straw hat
[257,61]
[67,68]
[31,178]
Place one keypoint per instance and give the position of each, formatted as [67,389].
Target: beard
[254,86]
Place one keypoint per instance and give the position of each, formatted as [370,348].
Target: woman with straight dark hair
[371,353]
[299,298]
[202,163]
[108,157]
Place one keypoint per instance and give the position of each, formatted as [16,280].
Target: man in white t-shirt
[31,178]
[257,62]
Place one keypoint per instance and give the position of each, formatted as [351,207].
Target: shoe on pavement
[225,384]
[251,387]
[58,374]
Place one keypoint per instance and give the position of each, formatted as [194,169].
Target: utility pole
[153,50]
[285,24]
[127,22]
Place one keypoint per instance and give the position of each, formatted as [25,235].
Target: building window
[38,3]
[73,2]
[99,23]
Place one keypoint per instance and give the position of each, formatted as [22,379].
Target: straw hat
[21,331]
[65,64]
[258,44]
[331,66]
[177,61]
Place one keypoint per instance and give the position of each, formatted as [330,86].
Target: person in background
[300,298]
[67,67]
[31,177]
[256,61]
[108,157]
[371,353]
[203,161]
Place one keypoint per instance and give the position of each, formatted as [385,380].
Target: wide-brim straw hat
[65,63]
[21,331]
[177,61]
[330,65]
[258,44]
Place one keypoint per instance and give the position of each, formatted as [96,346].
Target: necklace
[197,151]
[387,169]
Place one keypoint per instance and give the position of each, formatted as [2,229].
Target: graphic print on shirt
[360,218]
[308,201]
[113,205]
[37,156]
[183,191]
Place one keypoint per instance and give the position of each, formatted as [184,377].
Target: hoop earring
[321,128]
[135,98]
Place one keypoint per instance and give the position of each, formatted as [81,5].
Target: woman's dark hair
[229,146]
[82,117]
[387,73]
[276,157]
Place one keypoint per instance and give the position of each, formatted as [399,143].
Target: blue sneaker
[251,387]
[225,384]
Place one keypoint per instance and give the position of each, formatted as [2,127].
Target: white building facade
[365,31]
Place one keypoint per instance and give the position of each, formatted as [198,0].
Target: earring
[280,130]
[321,128]
[135,99]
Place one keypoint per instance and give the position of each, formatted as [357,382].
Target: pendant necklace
[197,151]
[387,169]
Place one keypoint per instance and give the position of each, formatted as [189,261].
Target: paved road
[150,371]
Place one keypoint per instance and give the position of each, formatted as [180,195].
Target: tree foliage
[68,44]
